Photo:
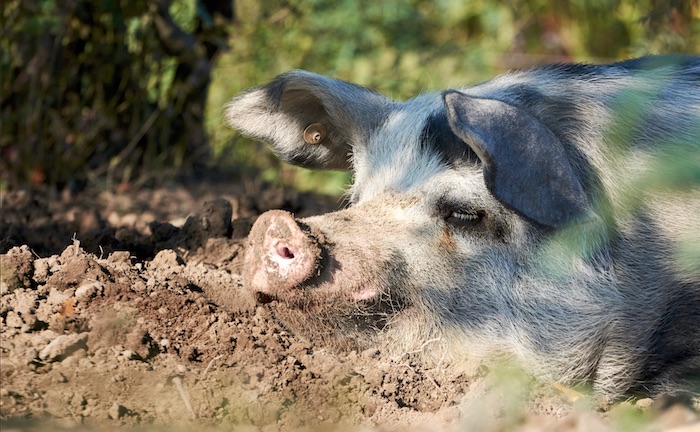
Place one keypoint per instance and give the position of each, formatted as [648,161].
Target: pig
[510,220]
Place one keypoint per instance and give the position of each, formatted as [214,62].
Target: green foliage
[98,88]
[625,417]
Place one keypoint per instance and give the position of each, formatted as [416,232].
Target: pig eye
[464,219]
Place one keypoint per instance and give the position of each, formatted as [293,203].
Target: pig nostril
[285,252]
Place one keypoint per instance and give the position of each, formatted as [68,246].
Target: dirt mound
[117,309]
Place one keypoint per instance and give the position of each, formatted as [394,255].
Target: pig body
[512,219]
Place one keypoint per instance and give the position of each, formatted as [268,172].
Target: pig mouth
[370,299]
[264,298]
[308,299]
[343,322]
[361,294]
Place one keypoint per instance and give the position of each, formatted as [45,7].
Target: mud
[127,309]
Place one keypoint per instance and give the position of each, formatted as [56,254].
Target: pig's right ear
[308,119]
[525,164]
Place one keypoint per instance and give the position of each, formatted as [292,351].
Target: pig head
[459,205]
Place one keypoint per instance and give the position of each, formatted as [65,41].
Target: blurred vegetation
[105,89]
[96,90]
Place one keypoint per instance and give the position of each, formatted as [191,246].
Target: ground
[126,308]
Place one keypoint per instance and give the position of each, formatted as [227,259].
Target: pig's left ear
[308,119]
[525,164]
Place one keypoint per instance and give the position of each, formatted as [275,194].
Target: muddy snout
[281,255]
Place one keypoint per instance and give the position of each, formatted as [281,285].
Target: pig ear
[309,120]
[525,165]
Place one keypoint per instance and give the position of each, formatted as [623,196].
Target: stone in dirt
[63,346]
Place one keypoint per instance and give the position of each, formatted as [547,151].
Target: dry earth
[126,309]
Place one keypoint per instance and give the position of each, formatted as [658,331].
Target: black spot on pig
[274,92]
[437,137]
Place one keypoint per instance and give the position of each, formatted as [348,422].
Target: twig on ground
[209,365]
[185,397]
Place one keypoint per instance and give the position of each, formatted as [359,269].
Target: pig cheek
[351,279]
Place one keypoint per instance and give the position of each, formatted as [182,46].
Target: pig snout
[281,256]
